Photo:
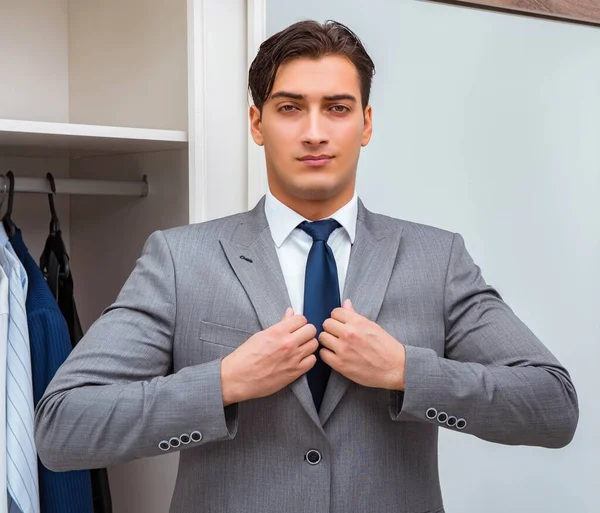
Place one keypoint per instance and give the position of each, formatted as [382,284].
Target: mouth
[318,161]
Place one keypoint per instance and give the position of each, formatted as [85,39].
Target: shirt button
[313,457]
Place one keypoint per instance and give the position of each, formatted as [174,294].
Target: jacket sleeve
[496,375]
[115,398]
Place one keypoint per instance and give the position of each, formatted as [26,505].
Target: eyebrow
[297,96]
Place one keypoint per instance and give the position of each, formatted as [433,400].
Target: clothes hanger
[55,247]
[54,222]
[9,226]
[3,197]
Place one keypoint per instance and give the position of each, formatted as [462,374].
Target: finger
[348,305]
[342,314]
[292,323]
[309,347]
[329,357]
[308,363]
[329,341]
[334,327]
[289,312]
[304,333]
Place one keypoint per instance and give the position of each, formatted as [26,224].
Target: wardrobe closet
[102,93]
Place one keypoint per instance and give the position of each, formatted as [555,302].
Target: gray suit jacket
[148,370]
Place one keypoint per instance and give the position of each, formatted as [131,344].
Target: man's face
[314,109]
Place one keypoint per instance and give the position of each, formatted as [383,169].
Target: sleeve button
[431,413]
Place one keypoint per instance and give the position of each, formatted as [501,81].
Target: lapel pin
[245,258]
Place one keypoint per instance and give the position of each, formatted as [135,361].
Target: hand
[269,360]
[362,350]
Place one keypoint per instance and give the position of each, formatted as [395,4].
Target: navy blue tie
[321,295]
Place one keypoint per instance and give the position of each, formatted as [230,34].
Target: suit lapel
[371,262]
[264,283]
[372,259]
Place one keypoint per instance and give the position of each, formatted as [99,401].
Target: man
[303,355]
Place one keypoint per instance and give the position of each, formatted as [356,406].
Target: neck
[314,210]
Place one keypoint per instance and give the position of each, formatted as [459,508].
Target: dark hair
[311,39]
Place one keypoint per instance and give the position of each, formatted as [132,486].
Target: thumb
[348,304]
[289,312]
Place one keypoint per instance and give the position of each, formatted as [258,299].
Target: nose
[315,129]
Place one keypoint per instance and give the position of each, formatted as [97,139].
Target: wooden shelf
[45,139]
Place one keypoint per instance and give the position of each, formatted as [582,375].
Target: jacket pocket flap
[223,335]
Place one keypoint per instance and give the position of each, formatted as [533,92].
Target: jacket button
[196,436]
[442,417]
[164,445]
[461,424]
[451,420]
[185,438]
[313,457]
[431,413]
[174,441]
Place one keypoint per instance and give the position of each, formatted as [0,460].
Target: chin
[316,191]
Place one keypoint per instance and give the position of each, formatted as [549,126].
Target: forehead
[318,77]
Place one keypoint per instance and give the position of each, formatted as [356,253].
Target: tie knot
[320,230]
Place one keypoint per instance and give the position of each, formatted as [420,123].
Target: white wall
[37,67]
[128,63]
[488,125]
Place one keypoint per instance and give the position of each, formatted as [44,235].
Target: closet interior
[96,94]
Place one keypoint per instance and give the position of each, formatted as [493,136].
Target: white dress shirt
[4,313]
[21,456]
[293,244]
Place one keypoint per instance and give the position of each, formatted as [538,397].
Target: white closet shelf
[46,139]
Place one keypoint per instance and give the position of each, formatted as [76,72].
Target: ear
[256,125]
[368,128]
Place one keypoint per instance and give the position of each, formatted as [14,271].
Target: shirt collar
[282,219]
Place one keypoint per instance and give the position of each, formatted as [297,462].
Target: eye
[284,108]
[343,107]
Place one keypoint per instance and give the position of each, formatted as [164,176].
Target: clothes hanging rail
[77,186]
